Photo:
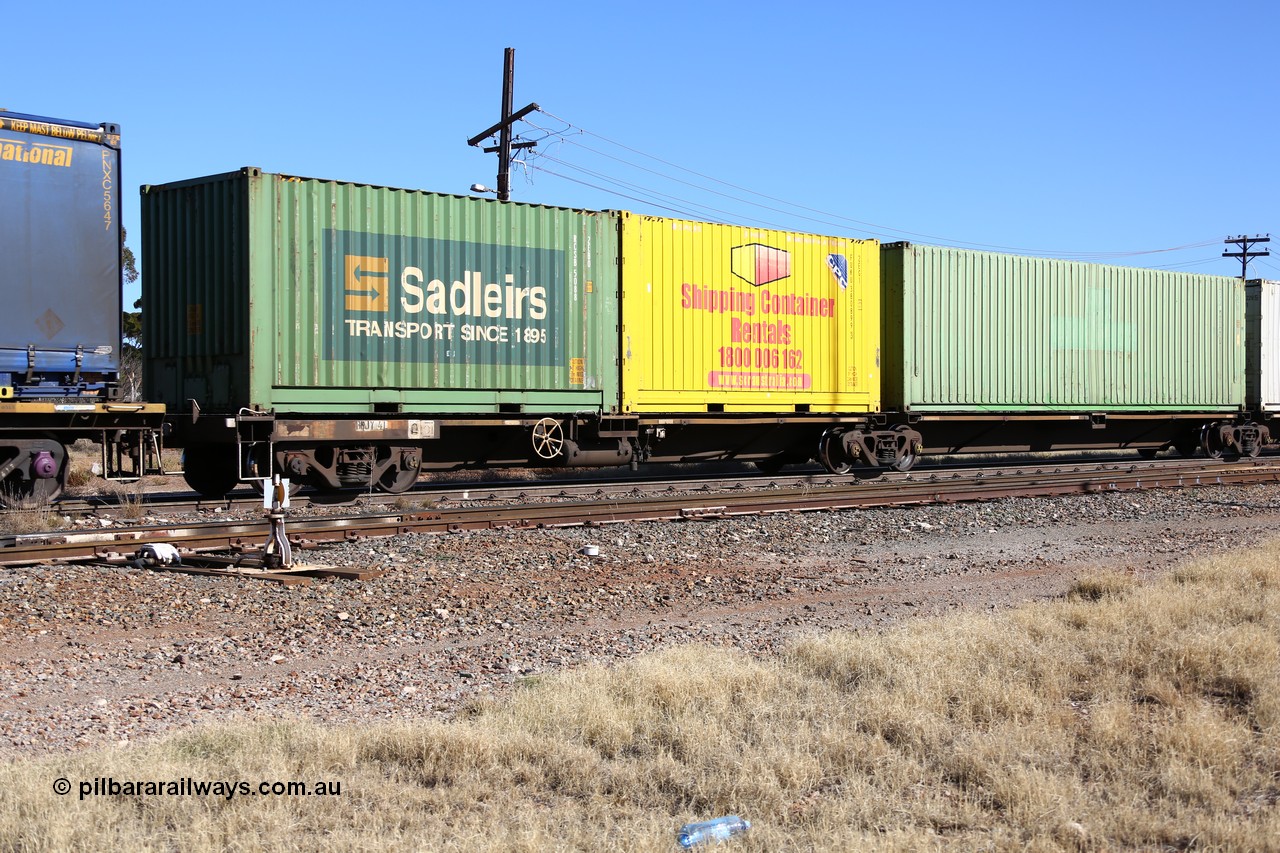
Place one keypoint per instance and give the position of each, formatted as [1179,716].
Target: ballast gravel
[96,656]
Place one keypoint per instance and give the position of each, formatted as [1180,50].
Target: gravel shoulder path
[96,656]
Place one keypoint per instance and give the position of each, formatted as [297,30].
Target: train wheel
[907,453]
[548,439]
[1187,444]
[401,476]
[18,493]
[44,490]
[831,453]
[1150,452]
[211,470]
[396,482]
[402,466]
[41,472]
[1211,441]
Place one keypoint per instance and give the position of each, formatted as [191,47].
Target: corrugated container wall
[294,294]
[1263,300]
[60,245]
[734,319]
[969,331]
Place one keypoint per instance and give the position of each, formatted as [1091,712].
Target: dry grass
[27,515]
[82,456]
[1126,716]
[129,497]
[412,503]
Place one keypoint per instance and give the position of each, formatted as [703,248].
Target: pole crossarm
[1245,244]
[514,147]
[492,129]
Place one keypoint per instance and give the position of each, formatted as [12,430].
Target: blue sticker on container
[839,266]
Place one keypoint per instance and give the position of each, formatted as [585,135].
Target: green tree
[131,321]
[132,327]
[130,379]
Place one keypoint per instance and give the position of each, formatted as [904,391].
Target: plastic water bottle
[717,830]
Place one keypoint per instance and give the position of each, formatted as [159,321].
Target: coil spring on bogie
[357,471]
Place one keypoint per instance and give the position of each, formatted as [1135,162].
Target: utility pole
[503,128]
[1244,254]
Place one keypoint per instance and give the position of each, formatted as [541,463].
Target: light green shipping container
[980,332]
[289,294]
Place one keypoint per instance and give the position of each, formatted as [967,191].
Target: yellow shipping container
[727,318]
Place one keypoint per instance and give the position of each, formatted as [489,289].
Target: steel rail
[938,488]
[562,488]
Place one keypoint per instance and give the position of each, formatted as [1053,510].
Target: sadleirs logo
[35,153]
[368,283]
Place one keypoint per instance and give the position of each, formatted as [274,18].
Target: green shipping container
[289,294]
[980,332]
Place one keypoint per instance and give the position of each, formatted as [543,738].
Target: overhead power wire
[728,214]
[605,189]
[874,227]
[1200,262]
[720,215]
[879,229]
[690,206]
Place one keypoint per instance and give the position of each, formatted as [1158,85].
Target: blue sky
[1091,129]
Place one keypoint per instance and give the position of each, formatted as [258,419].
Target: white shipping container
[1262,365]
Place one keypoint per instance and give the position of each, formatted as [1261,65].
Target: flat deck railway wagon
[995,352]
[351,336]
[60,332]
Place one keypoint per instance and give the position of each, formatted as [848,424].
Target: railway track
[731,476]
[525,505]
